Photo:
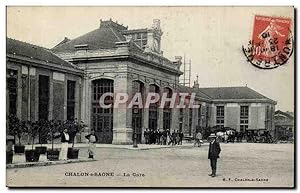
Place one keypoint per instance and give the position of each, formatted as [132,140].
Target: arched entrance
[153,109]
[102,118]
[137,113]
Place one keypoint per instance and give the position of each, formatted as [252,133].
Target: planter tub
[9,157]
[53,155]
[73,153]
[41,149]
[32,156]
[19,148]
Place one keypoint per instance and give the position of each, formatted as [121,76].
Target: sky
[211,37]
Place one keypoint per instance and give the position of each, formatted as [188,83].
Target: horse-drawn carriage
[259,136]
[226,134]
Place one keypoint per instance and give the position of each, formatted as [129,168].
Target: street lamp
[135,111]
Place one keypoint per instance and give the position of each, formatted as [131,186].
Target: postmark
[272,42]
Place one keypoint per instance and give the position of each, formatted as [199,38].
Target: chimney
[196,82]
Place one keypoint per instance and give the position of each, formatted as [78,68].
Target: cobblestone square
[240,165]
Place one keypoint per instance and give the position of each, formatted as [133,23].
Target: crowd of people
[164,137]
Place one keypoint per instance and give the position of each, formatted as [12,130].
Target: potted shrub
[9,150]
[54,127]
[16,128]
[43,127]
[73,127]
[32,130]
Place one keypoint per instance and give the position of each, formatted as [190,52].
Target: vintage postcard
[195,97]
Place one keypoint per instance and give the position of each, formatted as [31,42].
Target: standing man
[158,134]
[181,135]
[198,139]
[177,137]
[213,153]
[92,143]
[168,137]
[174,138]
[152,136]
[146,136]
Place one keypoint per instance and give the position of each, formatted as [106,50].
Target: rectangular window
[199,115]
[180,119]
[244,118]
[43,97]
[70,99]
[153,117]
[207,116]
[12,85]
[271,117]
[220,116]
[267,121]
[141,39]
[167,119]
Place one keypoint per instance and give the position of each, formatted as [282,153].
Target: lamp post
[135,111]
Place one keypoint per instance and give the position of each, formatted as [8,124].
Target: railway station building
[68,80]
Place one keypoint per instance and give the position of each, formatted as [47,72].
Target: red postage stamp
[271,44]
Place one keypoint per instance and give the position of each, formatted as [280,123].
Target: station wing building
[67,81]
[39,84]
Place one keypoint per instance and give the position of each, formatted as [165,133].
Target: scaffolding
[185,78]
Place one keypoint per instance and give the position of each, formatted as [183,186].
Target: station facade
[115,59]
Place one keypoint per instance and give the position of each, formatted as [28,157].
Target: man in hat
[213,153]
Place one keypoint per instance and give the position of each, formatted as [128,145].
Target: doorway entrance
[102,118]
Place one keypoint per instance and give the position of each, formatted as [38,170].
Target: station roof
[104,37]
[229,93]
[30,51]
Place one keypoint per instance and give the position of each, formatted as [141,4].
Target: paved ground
[111,146]
[175,167]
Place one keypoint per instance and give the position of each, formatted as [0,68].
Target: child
[92,143]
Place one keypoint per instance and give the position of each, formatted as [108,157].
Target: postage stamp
[272,42]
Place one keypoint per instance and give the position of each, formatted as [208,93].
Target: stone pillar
[145,112]
[176,114]
[122,131]
[58,96]
[77,99]
[88,101]
[175,118]
[232,116]
[160,111]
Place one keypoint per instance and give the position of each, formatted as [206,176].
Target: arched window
[167,117]
[102,118]
[153,113]
[137,113]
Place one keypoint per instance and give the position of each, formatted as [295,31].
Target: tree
[74,127]
[16,127]
[32,129]
[55,126]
